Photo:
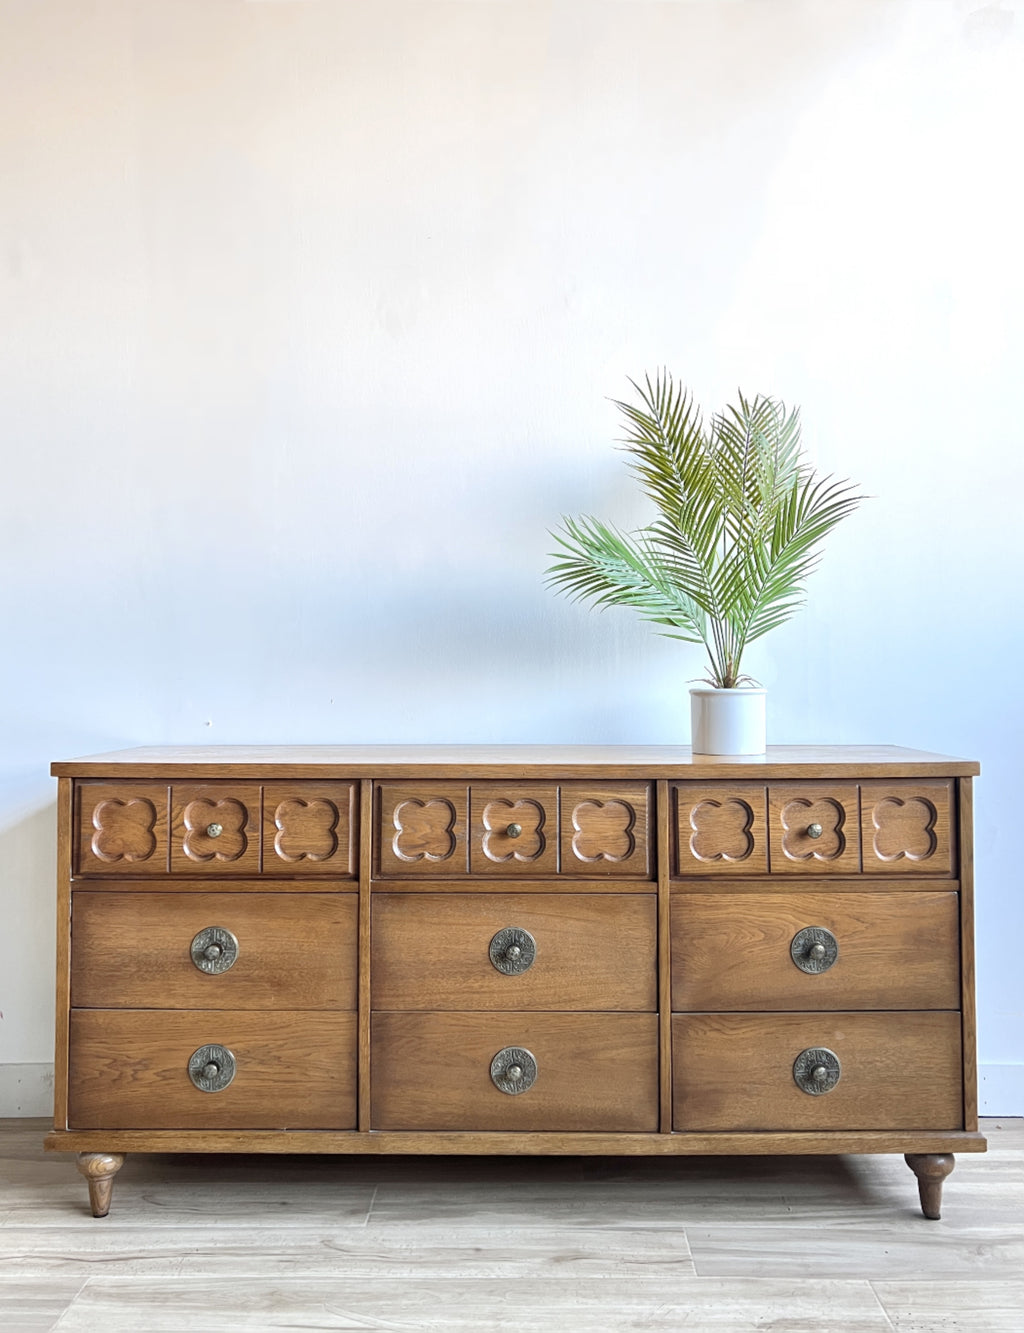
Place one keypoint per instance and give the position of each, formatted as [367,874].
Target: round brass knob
[820,1073]
[514,1070]
[816,1070]
[817,952]
[814,949]
[512,951]
[214,830]
[814,830]
[514,830]
[211,1068]
[214,950]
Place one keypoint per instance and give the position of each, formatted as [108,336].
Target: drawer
[593,1072]
[754,951]
[813,828]
[579,951]
[129,1069]
[895,1071]
[267,951]
[293,829]
[507,830]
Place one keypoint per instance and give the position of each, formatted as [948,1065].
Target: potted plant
[741,517]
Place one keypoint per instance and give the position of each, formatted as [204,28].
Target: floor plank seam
[881,1305]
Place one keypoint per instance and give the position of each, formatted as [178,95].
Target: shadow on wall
[28,855]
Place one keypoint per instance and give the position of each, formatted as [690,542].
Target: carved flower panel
[605,829]
[422,829]
[122,828]
[906,828]
[814,829]
[514,829]
[215,829]
[307,829]
[721,829]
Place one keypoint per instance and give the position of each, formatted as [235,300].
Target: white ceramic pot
[727,721]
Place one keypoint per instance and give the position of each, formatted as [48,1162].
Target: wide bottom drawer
[130,1069]
[433,1071]
[817,1071]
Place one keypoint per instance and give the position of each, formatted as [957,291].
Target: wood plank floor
[795,1245]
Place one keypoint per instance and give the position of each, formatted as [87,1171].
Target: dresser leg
[931,1169]
[99,1169]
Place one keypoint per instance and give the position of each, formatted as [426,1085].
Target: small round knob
[214,830]
[514,830]
[513,952]
[514,1072]
[819,1073]
[211,1070]
[213,952]
[817,952]
[814,830]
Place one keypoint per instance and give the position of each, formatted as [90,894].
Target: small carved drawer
[514,951]
[835,1071]
[530,830]
[216,828]
[763,951]
[813,828]
[213,950]
[153,1069]
[517,1071]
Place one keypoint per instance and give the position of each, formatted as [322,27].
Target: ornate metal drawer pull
[214,830]
[514,830]
[814,830]
[816,1070]
[814,949]
[214,950]
[211,1068]
[512,951]
[513,1070]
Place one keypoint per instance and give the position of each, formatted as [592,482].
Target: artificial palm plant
[741,515]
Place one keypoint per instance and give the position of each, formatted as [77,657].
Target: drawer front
[721,828]
[896,1071]
[129,1069]
[596,1072]
[487,951]
[286,829]
[771,951]
[814,829]
[169,950]
[527,830]
[907,828]
[121,828]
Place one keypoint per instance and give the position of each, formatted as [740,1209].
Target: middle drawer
[213,950]
[482,951]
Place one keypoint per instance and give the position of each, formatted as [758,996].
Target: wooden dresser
[515,949]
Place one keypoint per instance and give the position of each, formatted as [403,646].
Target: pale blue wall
[311,312]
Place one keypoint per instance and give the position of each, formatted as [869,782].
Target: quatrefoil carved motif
[721,830]
[424,830]
[904,829]
[124,830]
[306,830]
[528,845]
[604,831]
[797,817]
[229,844]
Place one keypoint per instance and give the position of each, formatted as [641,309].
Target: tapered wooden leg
[99,1169]
[931,1169]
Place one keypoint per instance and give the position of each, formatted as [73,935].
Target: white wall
[311,313]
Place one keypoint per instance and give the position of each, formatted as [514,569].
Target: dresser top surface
[511,761]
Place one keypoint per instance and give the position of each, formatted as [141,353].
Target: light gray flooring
[792,1245]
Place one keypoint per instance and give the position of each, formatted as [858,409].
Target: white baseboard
[28,1090]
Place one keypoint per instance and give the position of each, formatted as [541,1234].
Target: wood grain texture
[197,809]
[797,884]
[422,829]
[906,828]
[593,951]
[663,807]
[367,835]
[309,829]
[900,948]
[595,1072]
[121,828]
[295,951]
[62,1005]
[899,1071]
[721,829]
[569,762]
[965,843]
[129,1070]
[605,829]
[831,808]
